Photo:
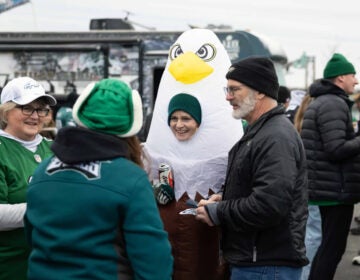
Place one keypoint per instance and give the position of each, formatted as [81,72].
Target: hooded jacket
[332,150]
[91,213]
[264,208]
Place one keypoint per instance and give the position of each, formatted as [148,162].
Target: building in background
[60,59]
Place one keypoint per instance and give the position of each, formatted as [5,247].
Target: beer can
[166,174]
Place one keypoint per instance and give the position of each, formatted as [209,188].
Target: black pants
[335,225]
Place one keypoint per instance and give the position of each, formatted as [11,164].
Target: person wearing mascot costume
[196,66]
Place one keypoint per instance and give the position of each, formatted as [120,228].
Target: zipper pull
[254,254]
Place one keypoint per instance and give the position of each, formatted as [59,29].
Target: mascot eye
[207,52]
[175,51]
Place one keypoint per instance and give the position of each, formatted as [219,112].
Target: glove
[163,193]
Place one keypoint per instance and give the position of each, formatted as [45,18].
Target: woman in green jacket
[24,106]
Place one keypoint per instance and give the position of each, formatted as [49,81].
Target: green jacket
[94,219]
[17,165]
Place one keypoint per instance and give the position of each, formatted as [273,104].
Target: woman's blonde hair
[4,108]
[299,115]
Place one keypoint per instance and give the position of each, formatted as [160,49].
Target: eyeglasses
[230,91]
[28,111]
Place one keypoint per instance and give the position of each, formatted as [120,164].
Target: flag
[9,4]
[302,62]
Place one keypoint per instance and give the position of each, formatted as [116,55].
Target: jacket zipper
[254,254]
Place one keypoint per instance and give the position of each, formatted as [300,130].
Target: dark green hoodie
[92,215]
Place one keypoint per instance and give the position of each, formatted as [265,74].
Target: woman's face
[183,125]
[23,124]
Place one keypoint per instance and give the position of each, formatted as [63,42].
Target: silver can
[166,174]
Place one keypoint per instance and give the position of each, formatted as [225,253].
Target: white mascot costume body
[197,65]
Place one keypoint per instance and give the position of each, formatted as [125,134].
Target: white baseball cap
[24,90]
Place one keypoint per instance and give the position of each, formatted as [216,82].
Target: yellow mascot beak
[188,68]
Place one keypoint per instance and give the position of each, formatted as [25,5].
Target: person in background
[357,120]
[356,123]
[263,208]
[64,118]
[333,161]
[284,96]
[71,95]
[296,97]
[356,230]
[24,107]
[313,225]
[49,129]
[300,111]
[91,211]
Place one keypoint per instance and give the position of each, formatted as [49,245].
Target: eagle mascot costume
[197,65]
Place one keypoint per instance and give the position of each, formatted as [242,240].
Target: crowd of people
[258,184]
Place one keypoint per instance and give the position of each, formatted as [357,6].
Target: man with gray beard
[263,208]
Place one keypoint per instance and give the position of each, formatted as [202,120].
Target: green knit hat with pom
[109,106]
[187,103]
[338,65]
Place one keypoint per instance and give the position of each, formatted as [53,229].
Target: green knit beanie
[187,103]
[109,106]
[338,65]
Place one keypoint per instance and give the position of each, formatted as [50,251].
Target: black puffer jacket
[332,150]
[264,209]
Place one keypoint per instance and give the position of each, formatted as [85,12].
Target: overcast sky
[317,27]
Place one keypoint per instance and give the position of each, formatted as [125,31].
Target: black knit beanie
[257,73]
[283,95]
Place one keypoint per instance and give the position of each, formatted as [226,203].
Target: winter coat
[332,150]
[91,214]
[264,208]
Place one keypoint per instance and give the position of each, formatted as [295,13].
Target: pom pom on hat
[109,106]
[187,103]
[338,65]
[257,73]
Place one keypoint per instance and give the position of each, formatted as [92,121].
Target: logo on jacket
[90,170]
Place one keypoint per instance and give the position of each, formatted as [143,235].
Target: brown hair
[135,150]
[49,128]
[299,115]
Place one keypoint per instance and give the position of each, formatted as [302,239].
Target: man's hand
[211,199]
[203,216]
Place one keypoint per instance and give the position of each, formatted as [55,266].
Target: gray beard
[245,107]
